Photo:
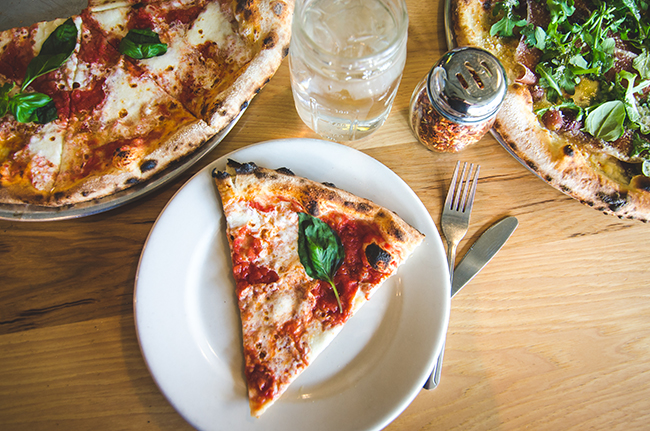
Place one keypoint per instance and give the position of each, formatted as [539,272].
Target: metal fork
[455,222]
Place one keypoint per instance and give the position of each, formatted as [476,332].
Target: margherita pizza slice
[218,54]
[123,127]
[306,256]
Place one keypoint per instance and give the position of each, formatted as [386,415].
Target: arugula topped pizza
[577,110]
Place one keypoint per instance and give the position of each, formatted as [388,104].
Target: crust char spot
[532,165]
[220,175]
[285,171]
[360,207]
[270,41]
[392,229]
[148,165]
[377,257]
[614,201]
[277,8]
[568,150]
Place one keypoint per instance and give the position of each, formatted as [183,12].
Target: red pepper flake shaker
[456,103]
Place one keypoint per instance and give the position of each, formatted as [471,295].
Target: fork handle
[434,379]
[451,259]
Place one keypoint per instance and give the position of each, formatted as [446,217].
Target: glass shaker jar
[456,103]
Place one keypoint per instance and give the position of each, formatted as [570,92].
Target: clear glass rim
[310,46]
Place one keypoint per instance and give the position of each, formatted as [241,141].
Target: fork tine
[469,189]
[452,187]
[459,193]
[472,192]
[463,187]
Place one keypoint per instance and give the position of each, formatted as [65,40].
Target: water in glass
[346,61]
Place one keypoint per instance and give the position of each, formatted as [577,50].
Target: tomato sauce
[140,19]
[15,58]
[354,270]
[184,16]
[245,249]
[88,98]
[259,376]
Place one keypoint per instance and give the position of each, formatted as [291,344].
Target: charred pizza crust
[595,179]
[317,199]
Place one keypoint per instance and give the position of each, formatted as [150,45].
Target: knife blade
[482,251]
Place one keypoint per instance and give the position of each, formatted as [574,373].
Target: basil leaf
[24,106]
[142,43]
[606,121]
[320,250]
[56,49]
[4,97]
[46,113]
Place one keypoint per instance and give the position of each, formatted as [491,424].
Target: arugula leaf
[506,25]
[320,250]
[141,44]
[606,121]
[566,105]
[56,49]
[642,64]
[630,100]
[535,36]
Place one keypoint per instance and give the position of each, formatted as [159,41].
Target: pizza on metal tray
[306,256]
[577,110]
[106,99]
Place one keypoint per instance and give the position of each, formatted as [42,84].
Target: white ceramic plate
[188,321]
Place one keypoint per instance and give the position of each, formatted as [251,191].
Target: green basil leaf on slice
[46,114]
[25,105]
[56,49]
[320,250]
[606,121]
[141,44]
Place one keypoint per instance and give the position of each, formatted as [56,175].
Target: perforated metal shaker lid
[467,85]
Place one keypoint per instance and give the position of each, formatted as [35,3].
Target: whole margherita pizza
[104,100]
[577,110]
[306,256]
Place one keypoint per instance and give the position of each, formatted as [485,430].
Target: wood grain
[553,334]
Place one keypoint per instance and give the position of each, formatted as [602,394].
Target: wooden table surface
[553,334]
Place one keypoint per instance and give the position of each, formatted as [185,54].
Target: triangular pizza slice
[306,256]
[123,127]
[218,54]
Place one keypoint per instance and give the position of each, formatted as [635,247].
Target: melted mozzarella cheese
[48,144]
[277,229]
[210,26]
[172,59]
[126,98]
[113,20]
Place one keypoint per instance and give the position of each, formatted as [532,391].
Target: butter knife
[478,255]
[482,251]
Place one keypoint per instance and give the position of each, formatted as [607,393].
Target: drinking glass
[346,60]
